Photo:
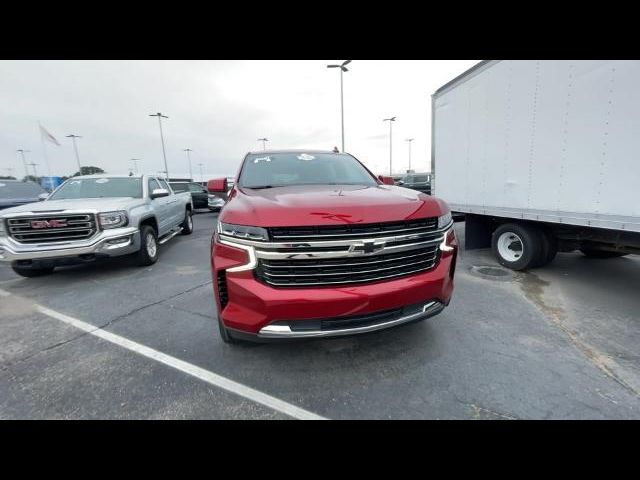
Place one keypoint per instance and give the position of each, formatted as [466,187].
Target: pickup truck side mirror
[159,192]
[386,180]
[217,185]
[43,196]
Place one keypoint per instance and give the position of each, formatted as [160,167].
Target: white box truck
[541,156]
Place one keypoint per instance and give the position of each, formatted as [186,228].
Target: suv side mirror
[43,196]
[217,185]
[159,192]
[386,180]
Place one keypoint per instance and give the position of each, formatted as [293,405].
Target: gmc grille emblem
[36,224]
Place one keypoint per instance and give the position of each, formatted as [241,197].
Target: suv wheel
[225,334]
[148,253]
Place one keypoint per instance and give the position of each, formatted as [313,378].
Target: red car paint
[253,304]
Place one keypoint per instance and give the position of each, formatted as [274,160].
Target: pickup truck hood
[83,204]
[328,205]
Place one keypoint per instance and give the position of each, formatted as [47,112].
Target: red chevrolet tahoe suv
[312,244]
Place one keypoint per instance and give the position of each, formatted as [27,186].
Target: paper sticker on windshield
[306,156]
[102,180]
[262,159]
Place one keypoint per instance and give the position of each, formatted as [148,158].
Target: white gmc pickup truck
[94,216]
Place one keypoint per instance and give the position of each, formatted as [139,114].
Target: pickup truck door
[161,208]
[176,208]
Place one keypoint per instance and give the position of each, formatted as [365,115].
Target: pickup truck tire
[187,224]
[32,272]
[225,334]
[517,246]
[148,253]
[591,253]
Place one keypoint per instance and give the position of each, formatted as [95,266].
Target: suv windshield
[99,188]
[297,168]
[19,190]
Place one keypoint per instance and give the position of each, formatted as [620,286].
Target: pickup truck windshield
[99,188]
[283,169]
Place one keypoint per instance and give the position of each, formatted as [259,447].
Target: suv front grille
[52,228]
[352,231]
[347,270]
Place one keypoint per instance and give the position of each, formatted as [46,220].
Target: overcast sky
[217,108]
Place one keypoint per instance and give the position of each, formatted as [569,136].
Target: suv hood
[303,205]
[81,204]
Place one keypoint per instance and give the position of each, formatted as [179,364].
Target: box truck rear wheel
[516,246]
[549,248]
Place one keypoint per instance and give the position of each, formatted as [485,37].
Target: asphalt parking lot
[556,343]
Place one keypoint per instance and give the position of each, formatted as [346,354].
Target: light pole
[409,140]
[264,142]
[75,149]
[188,150]
[35,172]
[135,163]
[164,153]
[343,69]
[390,120]
[24,161]
[201,175]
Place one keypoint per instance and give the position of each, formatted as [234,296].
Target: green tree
[88,171]
[7,178]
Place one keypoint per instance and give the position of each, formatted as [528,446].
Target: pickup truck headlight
[243,231]
[113,219]
[3,231]
[444,220]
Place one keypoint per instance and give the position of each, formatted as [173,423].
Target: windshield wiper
[259,187]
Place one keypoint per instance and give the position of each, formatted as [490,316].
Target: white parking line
[188,368]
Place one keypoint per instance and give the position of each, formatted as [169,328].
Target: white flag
[48,136]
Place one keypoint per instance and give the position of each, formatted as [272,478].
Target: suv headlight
[444,220]
[243,231]
[113,219]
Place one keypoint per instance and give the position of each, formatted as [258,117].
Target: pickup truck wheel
[187,224]
[32,272]
[148,253]
[591,253]
[517,247]
[225,334]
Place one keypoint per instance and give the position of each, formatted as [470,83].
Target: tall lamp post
[188,150]
[390,120]
[343,69]
[264,142]
[35,172]
[24,160]
[409,140]
[201,175]
[75,149]
[164,153]
[135,163]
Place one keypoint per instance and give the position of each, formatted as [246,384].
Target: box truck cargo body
[541,156]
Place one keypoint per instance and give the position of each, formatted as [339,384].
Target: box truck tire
[517,247]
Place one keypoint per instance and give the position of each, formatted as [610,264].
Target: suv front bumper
[110,243]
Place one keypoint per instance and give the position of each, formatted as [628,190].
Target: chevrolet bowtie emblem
[367,247]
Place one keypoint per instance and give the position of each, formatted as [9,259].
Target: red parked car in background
[312,244]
